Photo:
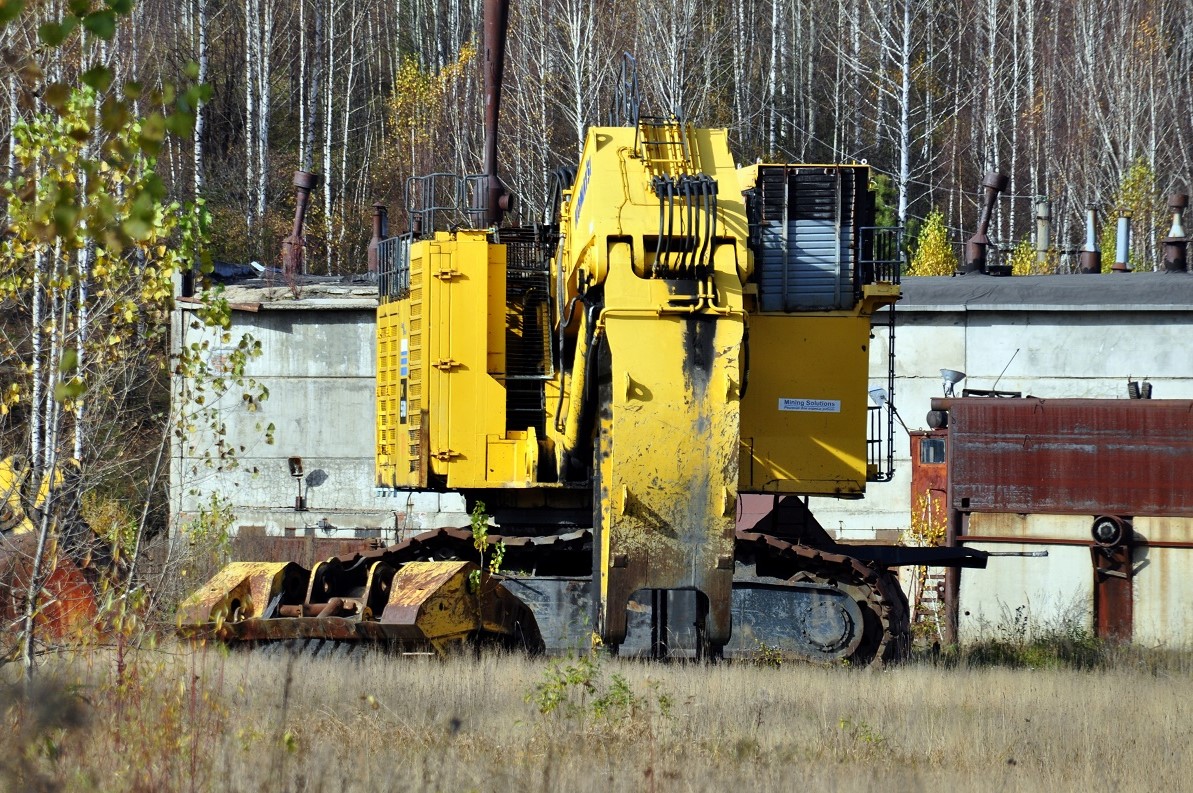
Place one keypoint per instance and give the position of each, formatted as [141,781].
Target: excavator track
[886,636]
[856,611]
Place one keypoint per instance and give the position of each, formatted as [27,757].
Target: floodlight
[951,377]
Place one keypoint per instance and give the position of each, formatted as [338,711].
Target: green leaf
[153,132]
[52,33]
[79,7]
[98,77]
[66,216]
[113,114]
[101,23]
[181,124]
[56,96]
[70,389]
[121,6]
[10,10]
[70,360]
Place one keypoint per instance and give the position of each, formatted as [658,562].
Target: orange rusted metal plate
[1071,456]
[66,607]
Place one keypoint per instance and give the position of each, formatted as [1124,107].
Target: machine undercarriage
[807,603]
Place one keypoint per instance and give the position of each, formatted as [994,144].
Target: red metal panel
[1072,456]
[928,482]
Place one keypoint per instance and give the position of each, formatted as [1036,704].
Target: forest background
[1079,101]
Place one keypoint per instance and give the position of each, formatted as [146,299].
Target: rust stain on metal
[1113,592]
[67,608]
[242,590]
[1094,457]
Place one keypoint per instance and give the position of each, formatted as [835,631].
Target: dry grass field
[196,720]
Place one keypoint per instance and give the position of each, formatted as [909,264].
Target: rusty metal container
[1071,456]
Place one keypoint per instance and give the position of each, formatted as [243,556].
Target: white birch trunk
[200,115]
[771,77]
[329,109]
[905,65]
[264,47]
[250,124]
[36,459]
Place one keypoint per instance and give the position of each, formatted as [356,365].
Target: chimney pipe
[1043,229]
[380,232]
[304,182]
[975,246]
[493,200]
[1175,244]
[1091,254]
[1122,243]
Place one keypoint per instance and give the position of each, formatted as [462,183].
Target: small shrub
[575,689]
[934,254]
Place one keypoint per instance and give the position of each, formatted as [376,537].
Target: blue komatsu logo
[583,190]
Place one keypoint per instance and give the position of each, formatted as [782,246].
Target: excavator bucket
[436,606]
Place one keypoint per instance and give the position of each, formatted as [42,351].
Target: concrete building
[1075,336]
[1048,336]
[317,361]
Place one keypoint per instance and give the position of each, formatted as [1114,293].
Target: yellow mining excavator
[612,383]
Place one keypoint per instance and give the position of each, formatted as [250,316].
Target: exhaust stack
[1043,229]
[1176,244]
[975,246]
[380,232]
[492,199]
[292,246]
[1091,254]
[1122,243]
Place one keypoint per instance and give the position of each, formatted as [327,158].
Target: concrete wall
[317,361]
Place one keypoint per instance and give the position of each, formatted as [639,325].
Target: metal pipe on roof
[1091,254]
[1176,244]
[1122,243]
[304,183]
[976,246]
[495,200]
[1043,228]
[380,232]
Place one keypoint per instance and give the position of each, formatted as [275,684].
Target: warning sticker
[810,405]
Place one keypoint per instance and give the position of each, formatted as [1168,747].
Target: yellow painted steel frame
[675,441]
[803,422]
[440,363]
[669,358]
[241,590]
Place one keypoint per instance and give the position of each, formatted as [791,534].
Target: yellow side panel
[467,404]
[391,452]
[399,459]
[803,421]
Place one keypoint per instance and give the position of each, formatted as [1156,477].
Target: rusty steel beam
[1139,542]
